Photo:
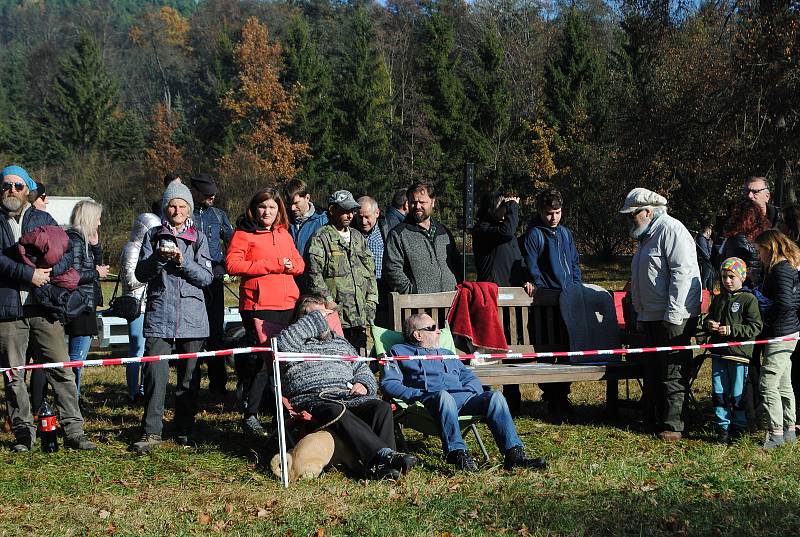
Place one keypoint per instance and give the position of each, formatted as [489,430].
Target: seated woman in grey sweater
[340,394]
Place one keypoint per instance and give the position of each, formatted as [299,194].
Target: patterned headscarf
[735,265]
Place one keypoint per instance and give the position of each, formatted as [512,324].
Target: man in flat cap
[666,294]
[215,225]
[340,267]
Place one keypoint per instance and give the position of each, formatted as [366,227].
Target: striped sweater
[303,381]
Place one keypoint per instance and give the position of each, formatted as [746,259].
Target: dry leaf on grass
[103,514]
[228,508]
[320,532]
[204,518]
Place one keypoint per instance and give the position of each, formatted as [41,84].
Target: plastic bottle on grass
[48,429]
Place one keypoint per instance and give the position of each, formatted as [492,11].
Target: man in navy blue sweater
[553,263]
[448,388]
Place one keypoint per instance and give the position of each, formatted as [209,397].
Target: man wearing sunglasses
[22,323]
[756,189]
[448,389]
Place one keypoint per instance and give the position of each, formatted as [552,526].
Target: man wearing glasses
[448,389]
[756,189]
[666,293]
[215,225]
[22,323]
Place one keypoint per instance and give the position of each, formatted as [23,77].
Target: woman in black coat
[746,222]
[87,258]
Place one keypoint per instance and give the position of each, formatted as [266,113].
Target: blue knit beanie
[21,173]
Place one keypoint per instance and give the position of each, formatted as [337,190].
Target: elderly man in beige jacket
[666,294]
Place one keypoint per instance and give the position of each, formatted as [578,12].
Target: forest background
[102,98]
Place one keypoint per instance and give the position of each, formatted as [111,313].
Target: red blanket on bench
[474,316]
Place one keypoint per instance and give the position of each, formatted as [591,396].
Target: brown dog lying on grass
[308,458]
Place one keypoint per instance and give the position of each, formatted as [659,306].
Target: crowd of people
[316,278]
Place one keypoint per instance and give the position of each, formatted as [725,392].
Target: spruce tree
[307,72]
[446,108]
[490,96]
[363,124]
[80,114]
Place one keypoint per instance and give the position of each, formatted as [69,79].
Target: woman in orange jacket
[263,255]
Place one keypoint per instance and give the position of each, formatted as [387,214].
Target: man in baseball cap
[340,267]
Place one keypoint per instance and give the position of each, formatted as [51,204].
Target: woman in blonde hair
[87,258]
[780,259]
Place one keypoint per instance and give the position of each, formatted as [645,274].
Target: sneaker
[382,470]
[773,441]
[670,436]
[402,462]
[723,437]
[516,458]
[462,460]
[80,441]
[147,443]
[252,426]
[789,435]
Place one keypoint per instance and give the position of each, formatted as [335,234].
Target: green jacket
[343,273]
[739,310]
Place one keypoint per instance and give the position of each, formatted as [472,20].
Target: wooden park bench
[531,324]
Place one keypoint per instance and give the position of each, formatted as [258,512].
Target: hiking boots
[516,458]
[80,441]
[462,460]
[184,438]
[147,443]
[23,443]
[383,470]
[252,426]
[723,437]
[402,462]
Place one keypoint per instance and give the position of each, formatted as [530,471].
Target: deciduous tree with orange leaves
[163,155]
[261,109]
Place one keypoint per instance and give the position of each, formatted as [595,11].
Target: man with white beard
[666,294]
[22,323]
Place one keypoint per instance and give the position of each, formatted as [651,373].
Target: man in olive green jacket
[340,267]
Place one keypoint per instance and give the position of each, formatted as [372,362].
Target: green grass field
[603,479]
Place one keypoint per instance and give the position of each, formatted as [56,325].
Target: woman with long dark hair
[263,254]
[745,223]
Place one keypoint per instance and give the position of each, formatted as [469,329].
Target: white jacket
[665,277]
[130,256]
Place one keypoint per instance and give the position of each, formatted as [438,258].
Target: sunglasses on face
[748,191]
[17,186]
[632,215]
[431,328]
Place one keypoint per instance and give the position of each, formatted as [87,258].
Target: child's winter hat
[735,265]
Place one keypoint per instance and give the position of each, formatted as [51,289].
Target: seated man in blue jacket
[448,388]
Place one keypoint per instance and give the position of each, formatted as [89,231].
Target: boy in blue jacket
[553,263]
[448,388]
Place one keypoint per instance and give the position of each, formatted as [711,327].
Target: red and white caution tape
[136,360]
[309,357]
[305,357]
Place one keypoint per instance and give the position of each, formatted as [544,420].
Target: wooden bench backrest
[530,324]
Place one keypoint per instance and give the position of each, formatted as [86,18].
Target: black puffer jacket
[780,286]
[84,261]
[739,246]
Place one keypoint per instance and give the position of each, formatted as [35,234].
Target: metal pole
[276,375]
[469,205]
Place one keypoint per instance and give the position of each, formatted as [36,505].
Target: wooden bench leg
[612,397]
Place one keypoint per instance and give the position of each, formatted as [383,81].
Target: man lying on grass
[340,395]
[448,388]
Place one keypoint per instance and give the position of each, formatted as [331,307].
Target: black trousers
[360,433]
[252,370]
[215,308]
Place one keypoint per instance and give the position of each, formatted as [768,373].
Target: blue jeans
[727,388]
[490,404]
[79,350]
[135,349]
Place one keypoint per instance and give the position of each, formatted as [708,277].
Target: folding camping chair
[415,416]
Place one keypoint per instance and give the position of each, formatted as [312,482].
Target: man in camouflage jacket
[340,267]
